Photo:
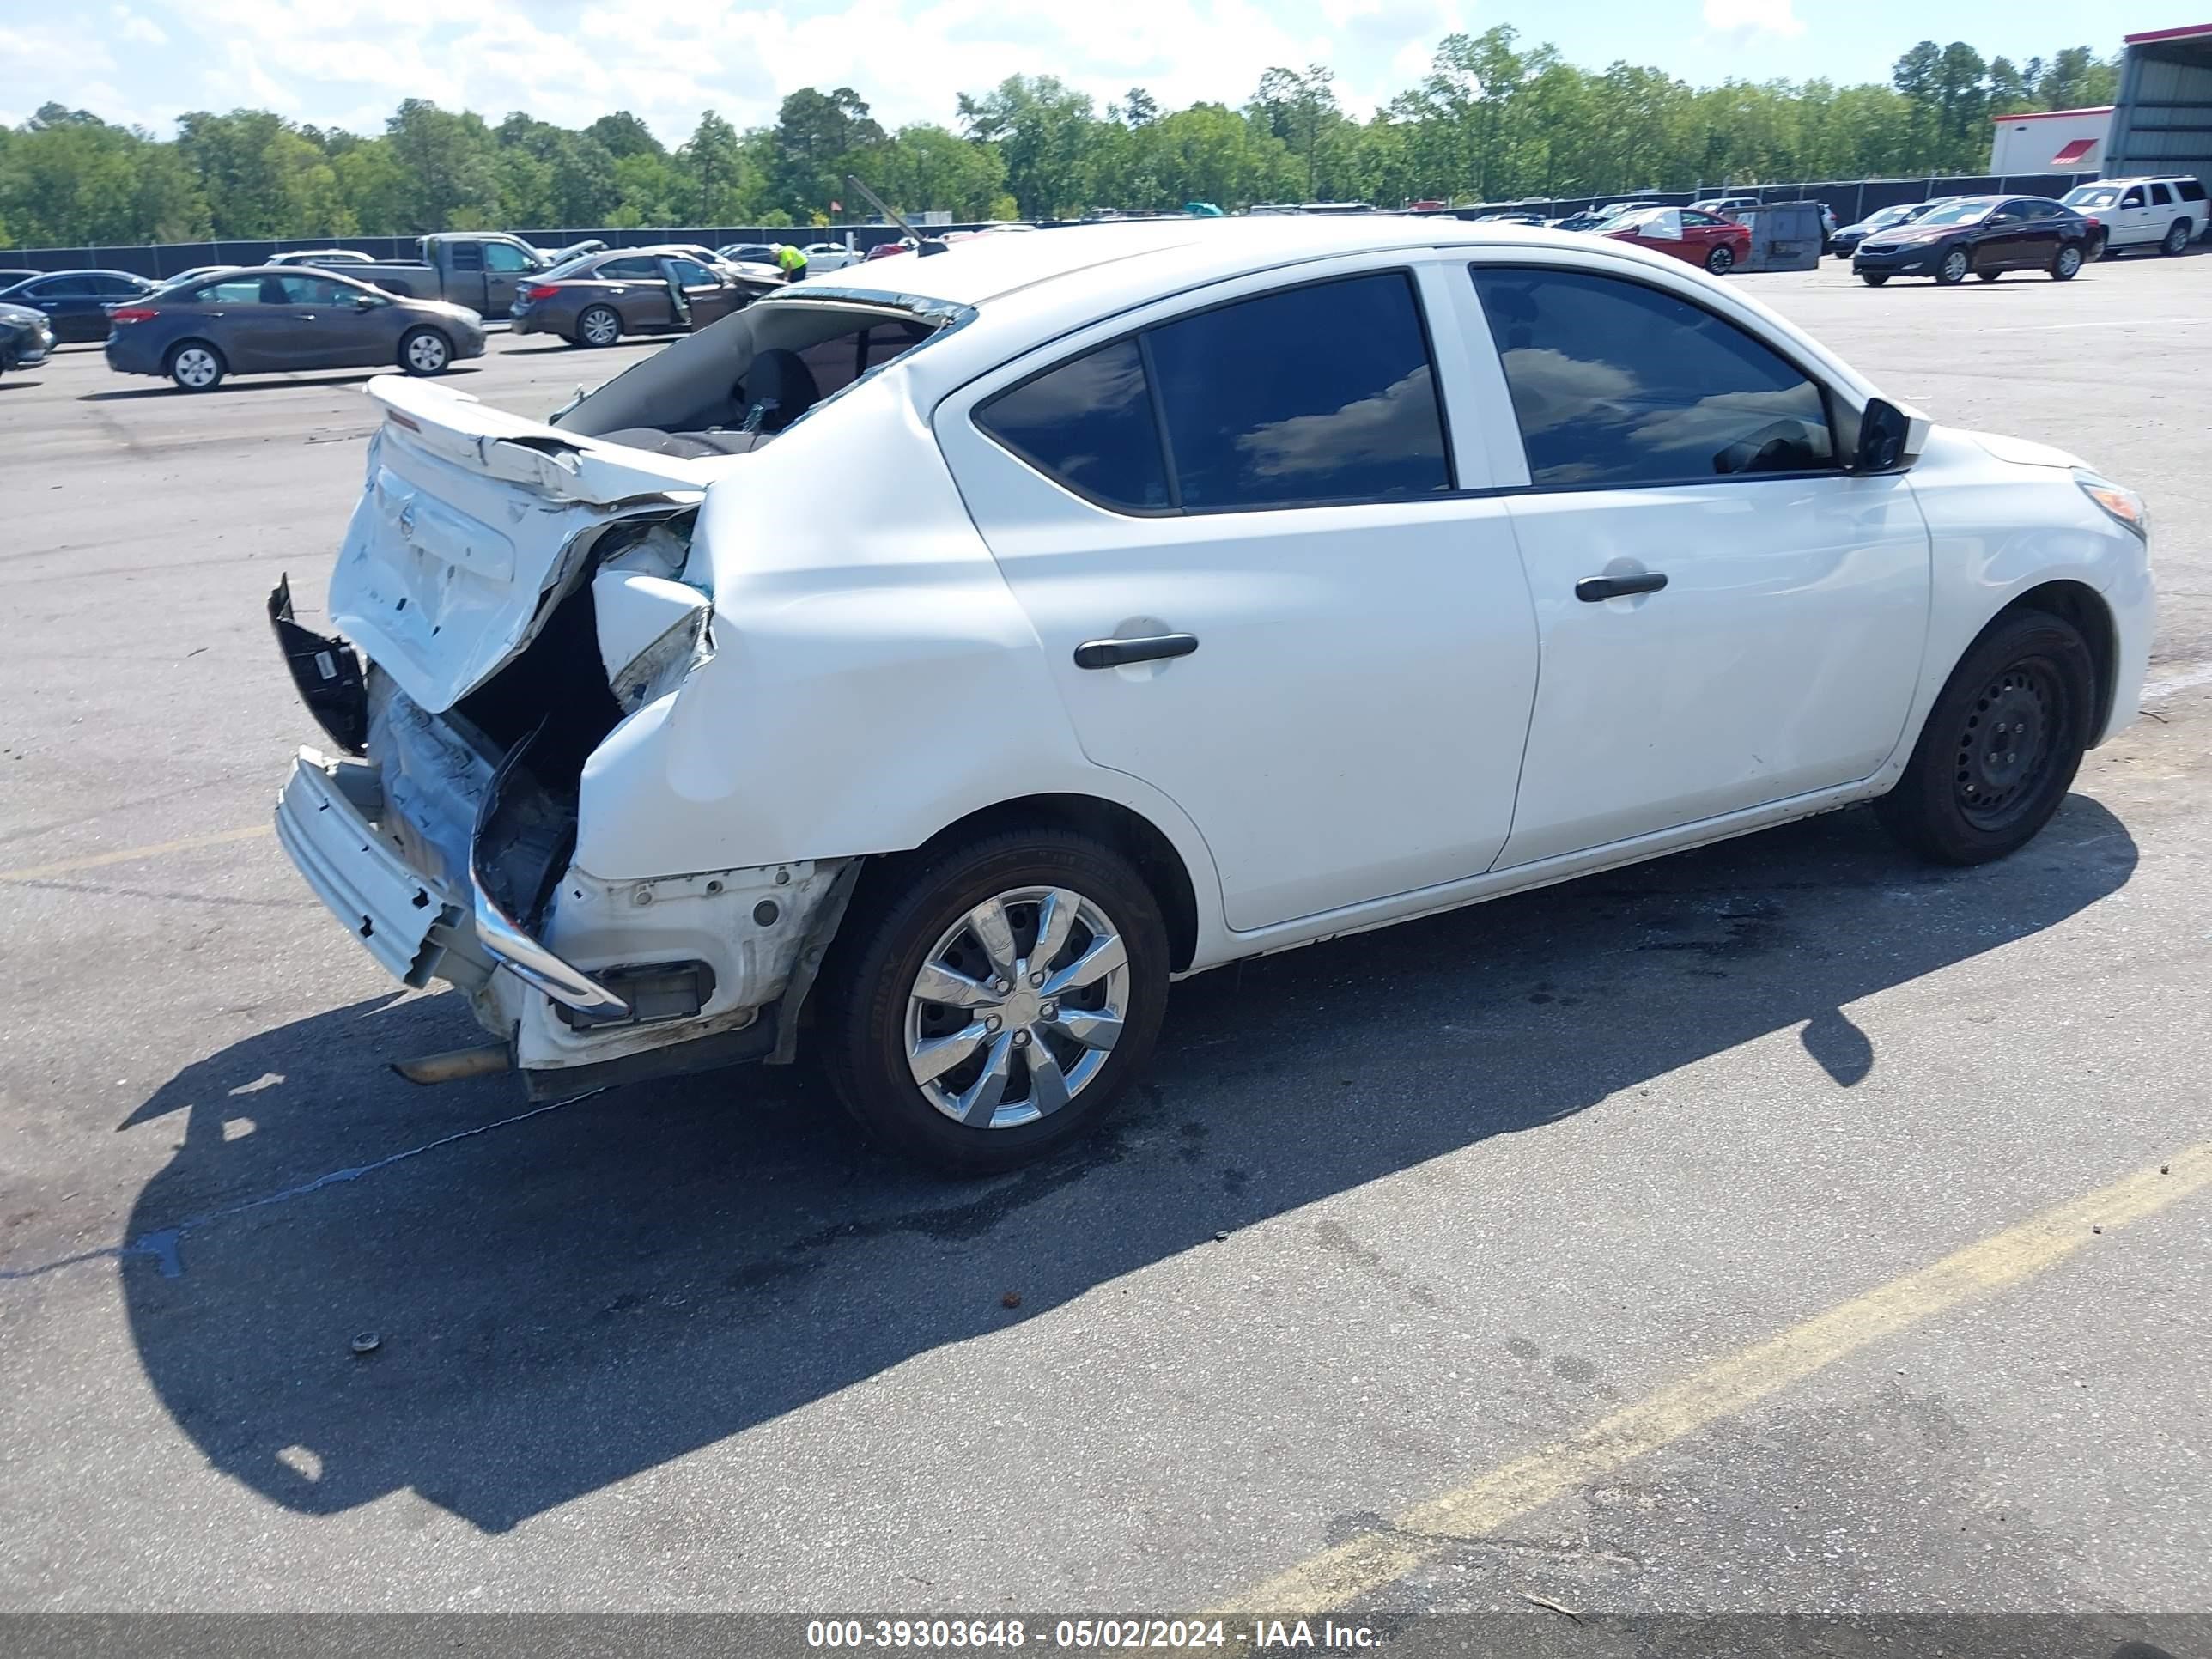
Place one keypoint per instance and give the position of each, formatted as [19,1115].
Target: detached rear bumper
[412,923]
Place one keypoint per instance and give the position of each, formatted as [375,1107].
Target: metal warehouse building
[2163,121]
[2049,141]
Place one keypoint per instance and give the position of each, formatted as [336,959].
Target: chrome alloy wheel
[1017,1007]
[1955,265]
[600,326]
[2069,261]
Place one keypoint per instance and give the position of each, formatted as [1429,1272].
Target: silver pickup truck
[480,270]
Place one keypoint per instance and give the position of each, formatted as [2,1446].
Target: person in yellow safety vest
[791,261]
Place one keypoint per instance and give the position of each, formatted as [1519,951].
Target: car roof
[1162,255]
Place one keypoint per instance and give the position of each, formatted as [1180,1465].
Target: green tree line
[1492,121]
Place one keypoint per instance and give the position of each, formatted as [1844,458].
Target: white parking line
[2200,675]
[2109,322]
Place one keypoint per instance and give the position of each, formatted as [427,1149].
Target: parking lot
[1782,1226]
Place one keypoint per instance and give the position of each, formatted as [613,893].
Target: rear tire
[1873,278]
[1989,275]
[426,351]
[1720,259]
[2067,265]
[1953,271]
[600,325]
[194,366]
[2176,238]
[2000,746]
[915,933]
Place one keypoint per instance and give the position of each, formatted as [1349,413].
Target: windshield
[2090,196]
[1970,211]
[1888,216]
[1630,219]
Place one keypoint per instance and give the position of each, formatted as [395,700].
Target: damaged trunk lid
[469,525]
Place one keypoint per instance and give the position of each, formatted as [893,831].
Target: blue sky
[144,61]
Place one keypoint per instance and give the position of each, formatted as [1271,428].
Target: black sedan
[279,318]
[1845,242]
[75,301]
[1984,236]
[26,337]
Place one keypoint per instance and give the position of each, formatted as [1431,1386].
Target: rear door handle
[1112,653]
[1591,589]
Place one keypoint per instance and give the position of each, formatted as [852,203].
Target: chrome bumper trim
[507,941]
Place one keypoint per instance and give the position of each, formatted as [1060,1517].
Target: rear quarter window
[1087,425]
[2189,190]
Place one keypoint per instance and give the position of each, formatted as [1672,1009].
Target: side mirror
[366,302]
[1884,431]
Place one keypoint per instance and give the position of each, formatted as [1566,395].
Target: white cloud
[1745,17]
[569,61]
[133,25]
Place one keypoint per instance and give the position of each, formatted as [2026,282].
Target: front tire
[600,325]
[1873,278]
[1989,275]
[2068,265]
[936,1033]
[2000,746]
[1954,270]
[195,366]
[2176,238]
[426,351]
[1720,259]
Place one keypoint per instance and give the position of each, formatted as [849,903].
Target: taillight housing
[133,314]
[540,291]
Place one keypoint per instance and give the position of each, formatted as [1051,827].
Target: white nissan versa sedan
[1170,592]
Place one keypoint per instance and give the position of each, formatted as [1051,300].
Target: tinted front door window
[1313,394]
[1617,384]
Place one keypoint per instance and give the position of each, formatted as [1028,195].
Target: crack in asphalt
[163,1245]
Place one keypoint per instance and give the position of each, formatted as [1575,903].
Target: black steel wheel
[2000,746]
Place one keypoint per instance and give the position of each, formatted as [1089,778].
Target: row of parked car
[1950,238]
[340,308]
[332,308]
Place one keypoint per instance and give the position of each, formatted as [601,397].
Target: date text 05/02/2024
[957,1634]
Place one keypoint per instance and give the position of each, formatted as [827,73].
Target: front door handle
[1591,589]
[1112,653]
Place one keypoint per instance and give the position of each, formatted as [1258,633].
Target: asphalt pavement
[1777,1226]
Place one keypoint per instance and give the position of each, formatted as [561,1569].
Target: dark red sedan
[1702,237]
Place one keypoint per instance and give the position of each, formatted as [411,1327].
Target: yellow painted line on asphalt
[1490,1502]
[134,855]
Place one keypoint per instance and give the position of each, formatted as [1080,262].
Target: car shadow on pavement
[555,1300]
[274,383]
[583,353]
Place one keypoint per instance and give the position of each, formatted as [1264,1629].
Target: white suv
[2166,214]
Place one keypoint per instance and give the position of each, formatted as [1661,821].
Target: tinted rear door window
[1089,425]
[1618,384]
[628,271]
[1312,394]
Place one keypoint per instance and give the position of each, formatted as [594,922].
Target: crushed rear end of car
[512,602]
